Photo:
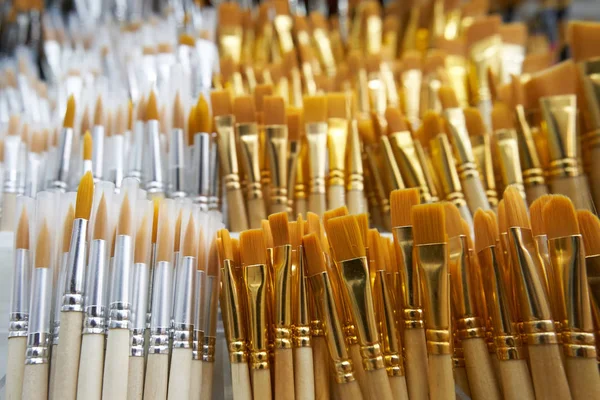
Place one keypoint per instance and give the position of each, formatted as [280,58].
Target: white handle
[321,365]
[179,376]
[35,382]
[67,358]
[305,376]
[548,373]
[91,363]
[157,375]
[441,380]
[15,367]
[516,381]
[135,382]
[583,377]
[208,369]
[336,197]
[53,369]
[261,384]
[480,370]
[116,367]
[240,381]
[398,386]
[379,385]
[356,202]
[416,363]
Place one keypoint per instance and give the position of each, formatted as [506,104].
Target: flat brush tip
[315,260]
[589,225]
[221,103]
[395,120]
[560,218]
[244,110]
[315,109]
[429,224]
[253,249]
[345,238]
[453,220]
[401,202]
[280,228]
[474,121]
[448,97]
[337,105]
[515,209]
[276,113]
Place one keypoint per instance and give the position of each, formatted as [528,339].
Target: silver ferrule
[12,146]
[161,296]
[183,306]
[98,152]
[117,157]
[96,288]
[139,294]
[213,200]
[201,168]
[73,295]
[177,167]
[154,180]
[60,290]
[136,162]
[63,162]
[120,291]
[211,299]
[138,343]
[151,284]
[37,348]
[208,58]
[41,301]
[35,173]
[19,302]
[199,289]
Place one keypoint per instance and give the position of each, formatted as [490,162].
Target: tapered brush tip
[221,103]
[189,248]
[178,113]
[87,146]
[395,120]
[276,110]
[203,120]
[165,238]
[432,126]
[315,259]
[502,117]
[212,265]
[401,202]
[155,214]
[22,237]
[448,97]
[345,238]
[152,107]
[191,124]
[315,109]
[141,252]
[99,112]
[187,40]
[584,40]
[453,220]
[69,120]
[337,105]
[227,244]
[502,222]
[244,110]
[485,235]
[101,221]
[515,209]
[68,229]
[474,121]
[536,214]
[429,223]
[280,228]
[253,249]
[85,195]
[177,238]
[43,247]
[589,224]
[560,218]
[140,111]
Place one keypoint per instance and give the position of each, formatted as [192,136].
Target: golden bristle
[141,110]
[212,266]
[336,212]
[99,112]
[85,195]
[177,238]
[244,110]
[502,228]
[482,28]
[535,213]
[230,14]
[516,211]
[355,62]
[315,260]
[87,146]
[363,224]
[191,125]
[502,117]
[395,120]
[253,249]
[227,244]
[317,20]
[85,124]
[260,92]
[276,113]
[156,208]
[513,33]
[484,230]
[584,40]
[152,107]
[337,105]
[494,220]
[517,91]
[69,121]
[163,122]
[554,81]
[401,202]
[264,224]
[68,229]
[376,259]
[235,246]
[124,223]
[295,123]
[296,236]
[345,238]
[280,229]
[313,223]
[43,247]
[101,221]
[589,224]
[366,130]
[429,223]
[187,40]
[315,109]
[142,243]
[448,97]
[537,62]
[129,116]
[411,59]
[453,221]
[474,121]
[22,237]
[109,126]
[164,244]
[434,60]
[203,120]
[189,240]
[431,127]
[454,47]
[373,64]
[560,218]
[221,103]
[294,229]
[178,113]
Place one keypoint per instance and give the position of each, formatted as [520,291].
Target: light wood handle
[67,359]
[240,382]
[15,367]
[157,376]
[238,220]
[416,363]
[516,382]
[196,380]
[277,208]
[9,211]
[398,386]
[379,385]
[116,366]
[317,203]
[261,384]
[356,202]
[284,374]
[321,366]
[35,382]
[91,364]
[350,390]
[480,370]
[180,373]
[257,211]
[304,384]
[548,373]
[441,380]
[300,207]
[208,369]
[576,188]
[533,192]
[336,196]
[583,377]
[475,194]
[461,380]
[359,372]
[53,369]
[135,381]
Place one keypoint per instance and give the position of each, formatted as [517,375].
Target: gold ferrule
[411,88]
[355,164]
[462,280]
[337,139]
[250,151]
[363,91]
[310,86]
[230,42]
[282,275]
[457,75]
[231,310]
[484,55]
[592,264]
[410,288]
[579,344]
[228,161]
[482,151]
[460,136]
[375,174]
[452,24]
[507,151]
[406,156]
[386,319]
[509,347]
[292,162]
[428,174]
[546,272]
[560,117]
[283,27]
[250,77]
[390,44]
[324,50]
[429,94]
[301,313]
[410,32]
[387,76]
[316,135]
[377,93]
[512,57]
[392,167]
[443,162]
[533,173]
[590,77]
[256,280]
[296,87]
[238,84]
[277,150]
[373,34]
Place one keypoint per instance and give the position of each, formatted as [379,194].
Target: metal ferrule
[177,166]
[282,276]
[151,284]
[96,288]
[430,178]
[568,262]
[12,143]
[198,338]
[34,181]
[120,290]
[65,148]
[363,91]
[38,348]
[136,162]
[73,294]
[391,91]
[377,94]
[301,318]
[160,320]
[324,49]
[512,57]
[457,74]
[460,136]
[316,135]
[250,150]
[227,153]
[38,335]
[507,150]
[118,158]
[591,85]
[98,152]
[484,55]
[482,151]
[386,319]
[355,165]
[19,303]
[444,164]
[214,200]
[410,290]
[325,300]
[411,85]
[375,174]
[154,180]
[433,269]
[354,274]
[256,280]
[535,310]
[309,79]
[211,303]
[184,297]
[201,168]
[231,310]
[230,42]
[277,149]
[392,167]
[197,344]
[139,305]
[60,290]
[429,93]
[406,156]
[533,174]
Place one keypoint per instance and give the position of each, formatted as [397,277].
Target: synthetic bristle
[537,62]
[411,59]
[203,120]
[156,206]
[152,107]
[337,105]
[38,142]
[366,130]
[177,238]
[142,243]
[502,228]
[484,231]
[165,241]
[482,28]
[68,229]
[260,92]
[453,220]
[376,259]
[178,113]
[124,224]
[536,214]
[448,97]
[514,33]
[589,225]
[517,91]
[554,81]
[189,240]
[363,224]
[253,249]
[191,125]
[22,239]
[315,260]
[475,125]
[87,146]
[314,223]
[401,202]
[295,123]
[85,195]
[280,228]
[212,266]
[85,125]
[455,47]
[494,220]
[227,244]
[434,60]
[315,109]
[502,117]
[429,223]
[336,212]
[101,221]
[395,120]
[69,121]
[13,125]
[431,127]
[43,247]
[560,218]
[266,227]
[584,40]
[373,64]
[244,110]
[109,125]
[129,115]
[516,211]
[221,103]
[276,113]
[345,238]
[99,112]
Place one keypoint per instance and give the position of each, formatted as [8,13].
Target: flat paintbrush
[337,140]
[315,121]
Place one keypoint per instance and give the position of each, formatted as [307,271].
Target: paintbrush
[315,122]
[61,176]
[37,162]
[98,138]
[296,163]
[230,31]
[434,71]
[88,149]
[276,140]
[359,72]
[153,175]
[119,144]
[355,188]
[411,78]
[320,34]
[177,185]
[201,154]
[512,52]
[394,179]
[337,140]
[456,67]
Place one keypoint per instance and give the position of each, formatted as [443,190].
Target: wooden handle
[180,373]
[116,366]
[356,202]
[548,373]
[196,380]
[359,372]
[336,196]
[317,203]
[135,380]
[461,380]
[398,386]
[304,385]
[583,377]
[208,369]
[350,390]
[240,382]
[238,220]
[35,382]
[300,207]
[53,369]
[441,380]
[379,385]
[321,366]
[257,211]
[9,211]
[576,188]
[480,370]
[67,359]
[157,376]
[91,363]
[416,363]
[533,192]
[516,382]
[261,384]
[475,194]
[284,374]
[277,208]
[15,367]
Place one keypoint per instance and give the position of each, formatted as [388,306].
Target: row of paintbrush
[333,309]
[113,296]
